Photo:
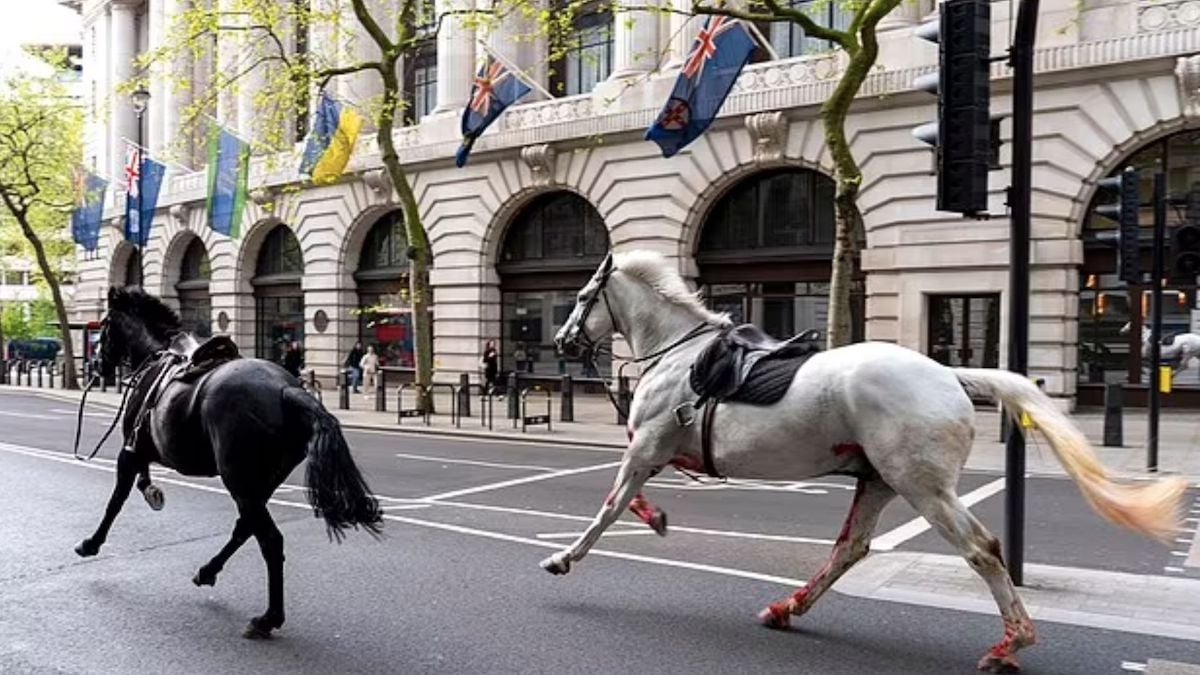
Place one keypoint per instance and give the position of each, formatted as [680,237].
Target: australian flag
[496,87]
[721,50]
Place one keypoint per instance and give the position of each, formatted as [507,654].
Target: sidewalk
[595,425]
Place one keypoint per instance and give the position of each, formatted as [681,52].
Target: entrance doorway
[964,330]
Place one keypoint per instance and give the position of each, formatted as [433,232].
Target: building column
[123,121]
[159,79]
[684,29]
[905,15]
[455,56]
[95,77]
[511,39]
[635,43]
[172,99]
[226,67]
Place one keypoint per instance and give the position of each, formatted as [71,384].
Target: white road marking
[1193,556]
[489,440]
[800,487]
[520,481]
[106,416]
[473,462]
[1183,540]
[30,416]
[1133,666]
[609,533]
[405,507]
[458,529]
[672,528]
[917,526]
[1174,570]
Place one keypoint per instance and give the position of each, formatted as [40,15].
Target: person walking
[369,367]
[491,365]
[353,368]
[293,360]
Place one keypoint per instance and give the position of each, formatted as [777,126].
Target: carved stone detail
[1187,77]
[768,131]
[180,214]
[379,182]
[265,197]
[540,159]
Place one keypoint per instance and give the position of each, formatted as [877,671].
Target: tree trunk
[64,327]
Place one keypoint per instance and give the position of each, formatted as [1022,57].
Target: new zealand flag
[721,50]
[495,88]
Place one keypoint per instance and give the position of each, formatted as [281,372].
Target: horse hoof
[991,663]
[154,497]
[556,565]
[658,523]
[775,619]
[86,549]
[260,629]
[205,578]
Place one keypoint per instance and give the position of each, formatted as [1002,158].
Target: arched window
[278,297]
[133,268]
[765,253]
[1105,302]
[195,303]
[384,312]
[549,252]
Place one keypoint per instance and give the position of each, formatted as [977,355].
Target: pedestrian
[353,368]
[369,366]
[521,357]
[293,359]
[491,366]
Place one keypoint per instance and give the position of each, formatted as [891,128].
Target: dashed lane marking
[608,533]
[30,416]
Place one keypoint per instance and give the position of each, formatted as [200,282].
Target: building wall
[1107,82]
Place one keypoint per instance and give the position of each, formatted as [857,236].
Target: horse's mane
[652,269]
[159,319]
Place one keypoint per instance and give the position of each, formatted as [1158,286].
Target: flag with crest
[496,87]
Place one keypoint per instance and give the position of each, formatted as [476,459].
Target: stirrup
[685,414]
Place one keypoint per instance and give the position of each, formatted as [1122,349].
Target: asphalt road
[454,586]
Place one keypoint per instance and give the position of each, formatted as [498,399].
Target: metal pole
[1156,276]
[141,226]
[1021,62]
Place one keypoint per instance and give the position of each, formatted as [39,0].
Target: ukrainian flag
[334,132]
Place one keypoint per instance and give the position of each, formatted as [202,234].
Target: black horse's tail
[336,489]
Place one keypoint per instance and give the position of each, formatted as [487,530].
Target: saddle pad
[769,380]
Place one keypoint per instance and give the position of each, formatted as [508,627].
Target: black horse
[246,420]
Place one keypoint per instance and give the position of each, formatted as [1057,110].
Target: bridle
[134,380]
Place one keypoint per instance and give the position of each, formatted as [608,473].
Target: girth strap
[706,450]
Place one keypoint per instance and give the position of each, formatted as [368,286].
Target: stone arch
[506,215]
[693,224]
[124,253]
[356,235]
[172,259]
[247,255]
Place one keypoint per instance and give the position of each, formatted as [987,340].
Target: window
[789,38]
[585,57]
[557,226]
[386,246]
[420,68]
[964,330]
[785,209]
[280,254]
[195,266]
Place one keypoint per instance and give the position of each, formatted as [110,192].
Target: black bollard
[344,390]
[464,395]
[53,367]
[3,371]
[624,398]
[41,368]
[1114,435]
[514,396]
[380,392]
[28,373]
[567,400]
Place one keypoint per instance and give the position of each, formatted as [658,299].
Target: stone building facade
[745,211]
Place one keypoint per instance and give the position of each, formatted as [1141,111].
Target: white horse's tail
[1152,509]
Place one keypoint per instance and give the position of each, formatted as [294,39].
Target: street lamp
[140,99]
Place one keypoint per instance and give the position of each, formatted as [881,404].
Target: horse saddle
[743,364]
[196,361]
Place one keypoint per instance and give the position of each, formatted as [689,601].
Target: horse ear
[607,265]
[113,292]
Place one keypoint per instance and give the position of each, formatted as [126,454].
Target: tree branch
[327,74]
[372,26]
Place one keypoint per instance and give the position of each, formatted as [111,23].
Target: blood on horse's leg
[649,514]
[870,497]
[629,481]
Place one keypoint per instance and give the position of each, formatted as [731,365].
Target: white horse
[897,420]
[1183,348]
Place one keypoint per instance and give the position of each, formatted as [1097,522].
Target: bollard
[28,373]
[464,395]
[624,398]
[380,391]
[41,368]
[343,391]
[3,371]
[567,400]
[514,398]
[53,367]
[1113,432]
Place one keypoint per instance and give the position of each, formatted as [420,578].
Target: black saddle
[214,352]
[743,364]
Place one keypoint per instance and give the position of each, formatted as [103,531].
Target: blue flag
[495,88]
[141,196]
[89,209]
[721,50]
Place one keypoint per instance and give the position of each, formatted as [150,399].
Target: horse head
[585,328]
[136,325]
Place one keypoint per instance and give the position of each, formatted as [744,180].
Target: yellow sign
[1027,421]
[1164,379]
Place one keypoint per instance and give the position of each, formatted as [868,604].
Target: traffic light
[962,134]
[1185,252]
[1124,211]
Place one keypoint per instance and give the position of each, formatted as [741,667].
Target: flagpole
[761,40]
[517,72]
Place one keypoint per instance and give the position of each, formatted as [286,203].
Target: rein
[134,381]
[692,334]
